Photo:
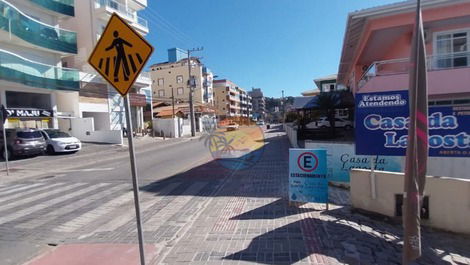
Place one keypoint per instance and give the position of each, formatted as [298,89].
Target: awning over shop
[344,99]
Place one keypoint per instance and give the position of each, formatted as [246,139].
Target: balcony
[18,27]
[65,7]
[17,69]
[447,74]
[107,7]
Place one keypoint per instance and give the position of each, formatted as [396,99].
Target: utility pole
[173,100]
[282,106]
[191,86]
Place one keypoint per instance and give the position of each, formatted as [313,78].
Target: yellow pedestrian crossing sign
[120,54]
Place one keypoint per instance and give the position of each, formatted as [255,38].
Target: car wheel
[50,150]
[9,154]
[348,127]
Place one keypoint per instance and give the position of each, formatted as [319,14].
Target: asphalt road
[155,160]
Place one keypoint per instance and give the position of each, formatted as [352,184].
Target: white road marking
[175,206]
[43,205]
[29,186]
[34,190]
[38,196]
[86,170]
[94,214]
[73,206]
[129,215]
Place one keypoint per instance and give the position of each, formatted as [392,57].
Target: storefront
[30,110]
[138,103]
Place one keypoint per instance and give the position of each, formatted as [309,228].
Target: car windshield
[29,135]
[58,134]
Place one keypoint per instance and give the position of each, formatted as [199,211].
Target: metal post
[134,179]
[373,190]
[5,147]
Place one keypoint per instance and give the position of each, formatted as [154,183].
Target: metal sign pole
[5,147]
[134,178]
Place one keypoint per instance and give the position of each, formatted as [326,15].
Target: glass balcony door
[452,50]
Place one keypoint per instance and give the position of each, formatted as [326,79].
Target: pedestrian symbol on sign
[120,54]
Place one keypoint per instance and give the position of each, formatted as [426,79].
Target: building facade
[97,99]
[377,47]
[259,104]
[171,79]
[231,101]
[37,89]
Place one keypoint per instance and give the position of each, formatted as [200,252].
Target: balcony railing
[66,7]
[401,66]
[15,22]
[123,11]
[15,68]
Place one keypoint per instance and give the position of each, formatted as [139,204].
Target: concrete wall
[449,198]
[291,134]
[84,130]
[173,128]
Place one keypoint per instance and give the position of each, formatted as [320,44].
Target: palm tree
[327,103]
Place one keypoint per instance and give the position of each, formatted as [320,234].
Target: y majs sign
[382,120]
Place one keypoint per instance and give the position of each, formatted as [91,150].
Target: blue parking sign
[307,175]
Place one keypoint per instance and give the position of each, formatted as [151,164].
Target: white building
[98,101]
[37,89]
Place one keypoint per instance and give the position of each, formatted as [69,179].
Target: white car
[260,123]
[324,123]
[60,142]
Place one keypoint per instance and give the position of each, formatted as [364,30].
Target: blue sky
[272,44]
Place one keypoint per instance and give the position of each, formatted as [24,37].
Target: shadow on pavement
[274,210]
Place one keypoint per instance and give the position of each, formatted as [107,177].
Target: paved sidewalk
[213,215]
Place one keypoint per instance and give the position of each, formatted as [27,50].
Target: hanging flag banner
[307,175]
[382,120]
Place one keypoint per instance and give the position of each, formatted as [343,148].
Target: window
[179,79]
[451,49]
[180,91]
[160,81]
[161,93]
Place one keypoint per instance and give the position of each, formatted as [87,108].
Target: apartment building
[34,41]
[97,99]
[231,101]
[171,79]
[259,104]
[377,46]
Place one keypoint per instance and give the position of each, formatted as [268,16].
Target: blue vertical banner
[307,175]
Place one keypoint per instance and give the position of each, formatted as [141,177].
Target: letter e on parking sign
[307,175]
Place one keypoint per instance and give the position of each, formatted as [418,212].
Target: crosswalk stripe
[73,206]
[38,196]
[29,186]
[43,205]
[25,193]
[169,210]
[128,216]
[7,187]
[94,214]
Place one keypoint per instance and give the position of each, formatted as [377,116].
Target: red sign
[138,100]
[307,162]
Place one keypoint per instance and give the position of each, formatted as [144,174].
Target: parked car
[232,126]
[60,142]
[324,123]
[260,123]
[22,142]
